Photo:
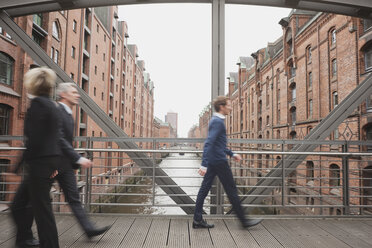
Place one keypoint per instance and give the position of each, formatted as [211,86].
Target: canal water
[175,165]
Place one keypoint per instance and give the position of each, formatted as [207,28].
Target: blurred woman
[42,157]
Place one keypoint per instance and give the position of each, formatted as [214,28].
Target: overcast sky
[174,40]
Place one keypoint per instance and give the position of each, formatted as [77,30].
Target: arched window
[6,69]
[4,119]
[333,37]
[55,30]
[309,171]
[310,79]
[334,175]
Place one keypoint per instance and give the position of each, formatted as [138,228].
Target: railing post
[88,172]
[345,180]
[283,175]
[153,171]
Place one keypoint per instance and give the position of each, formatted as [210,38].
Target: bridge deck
[129,231]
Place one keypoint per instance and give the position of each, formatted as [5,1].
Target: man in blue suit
[215,163]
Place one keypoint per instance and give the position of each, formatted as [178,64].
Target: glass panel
[38,19]
[4,119]
[368,58]
[6,69]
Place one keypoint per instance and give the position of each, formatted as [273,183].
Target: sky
[175,41]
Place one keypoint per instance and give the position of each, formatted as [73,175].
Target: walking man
[69,97]
[214,163]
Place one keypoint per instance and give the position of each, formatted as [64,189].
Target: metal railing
[334,180]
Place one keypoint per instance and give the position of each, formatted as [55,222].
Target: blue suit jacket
[215,147]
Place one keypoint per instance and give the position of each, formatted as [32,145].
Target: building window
[74,24]
[72,76]
[73,51]
[310,108]
[310,80]
[267,120]
[333,37]
[97,28]
[309,55]
[368,58]
[55,30]
[334,175]
[104,57]
[334,68]
[293,91]
[335,99]
[37,37]
[96,49]
[292,70]
[103,76]
[6,69]
[4,119]
[56,56]
[95,70]
[309,171]
[367,24]
[94,91]
[369,104]
[38,19]
[293,116]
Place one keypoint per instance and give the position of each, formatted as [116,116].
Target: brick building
[285,89]
[90,45]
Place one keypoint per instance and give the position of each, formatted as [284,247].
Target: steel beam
[358,8]
[218,79]
[96,113]
[320,132]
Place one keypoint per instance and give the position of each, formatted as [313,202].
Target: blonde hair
[40,81]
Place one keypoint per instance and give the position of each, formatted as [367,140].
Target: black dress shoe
[28,243]
[201,224]
[251,222]
[97,231]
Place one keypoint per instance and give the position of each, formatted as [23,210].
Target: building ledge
[8,91]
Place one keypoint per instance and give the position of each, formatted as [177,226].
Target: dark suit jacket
[42,134]
[68,134]
[42,130]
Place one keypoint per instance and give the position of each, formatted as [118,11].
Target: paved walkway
[163,231]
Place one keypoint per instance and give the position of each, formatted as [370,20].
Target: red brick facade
[285,89]
[91,46]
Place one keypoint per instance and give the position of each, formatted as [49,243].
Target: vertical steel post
[88,186]
[345,180]
[153,171]
[218,83]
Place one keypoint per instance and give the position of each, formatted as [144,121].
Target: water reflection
[175,165]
